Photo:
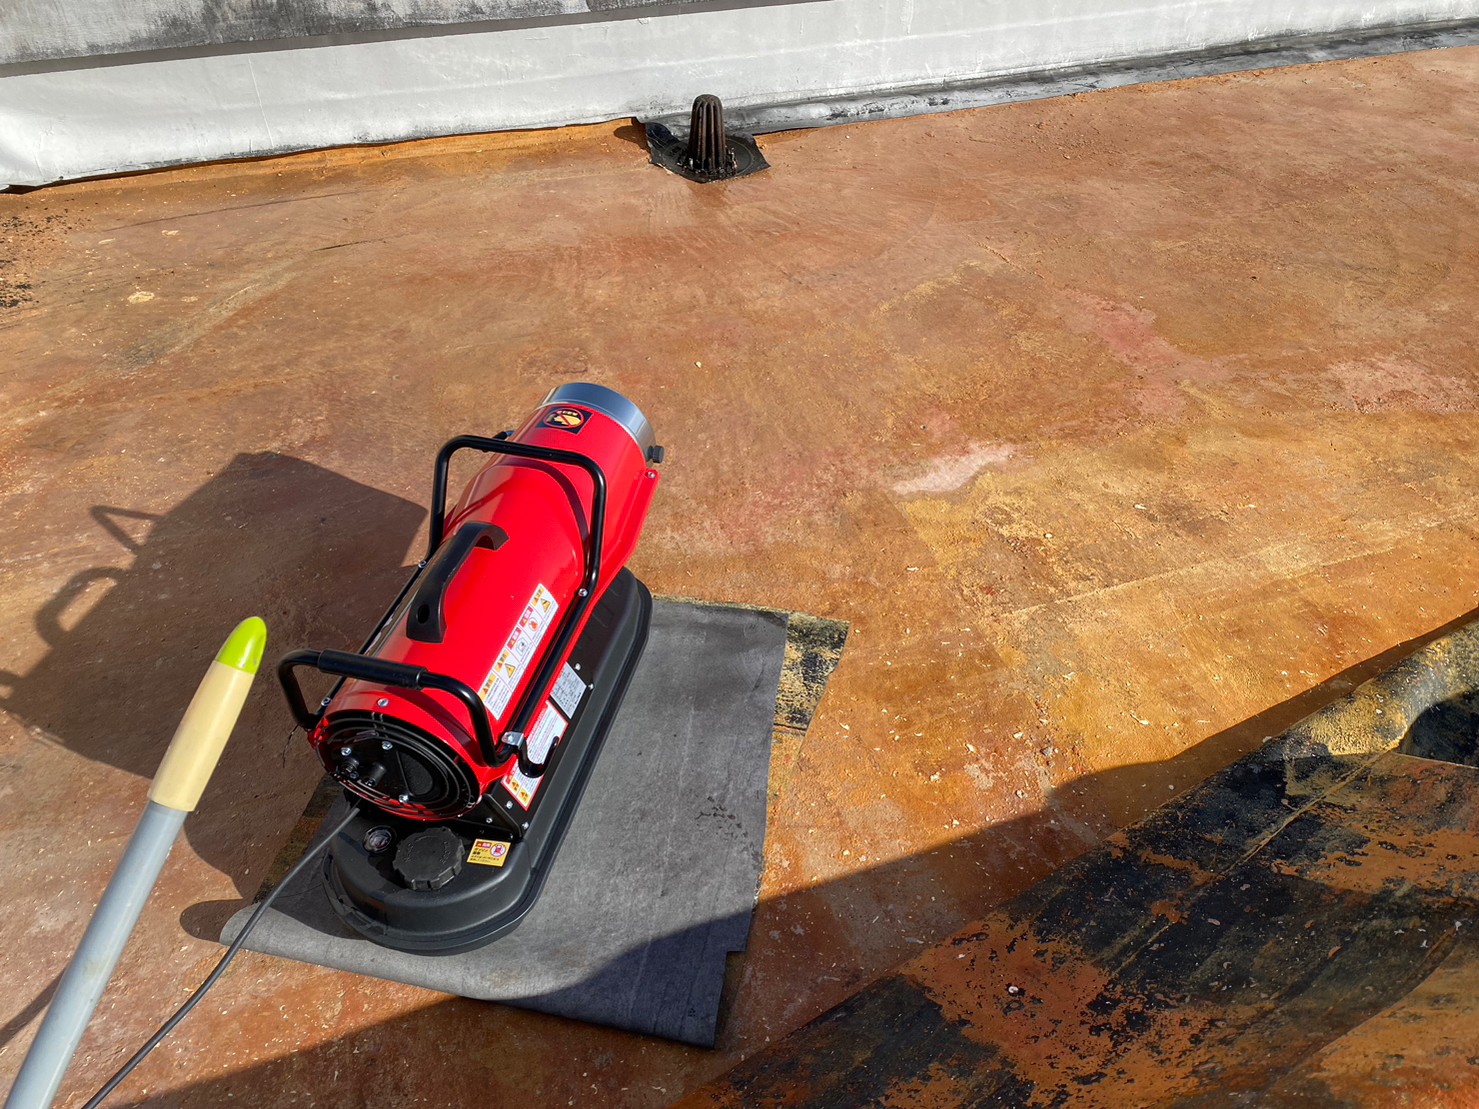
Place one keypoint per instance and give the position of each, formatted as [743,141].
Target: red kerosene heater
[467,725]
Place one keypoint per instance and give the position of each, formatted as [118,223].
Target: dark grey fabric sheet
[658,876]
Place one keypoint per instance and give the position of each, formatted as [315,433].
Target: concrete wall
[71,118]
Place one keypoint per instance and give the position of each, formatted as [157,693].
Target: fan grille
[426,772]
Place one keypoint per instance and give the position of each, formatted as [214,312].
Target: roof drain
[709,154]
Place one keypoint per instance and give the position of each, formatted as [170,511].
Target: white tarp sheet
[72,118]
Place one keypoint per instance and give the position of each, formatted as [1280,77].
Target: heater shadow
[882,916]
[312,552]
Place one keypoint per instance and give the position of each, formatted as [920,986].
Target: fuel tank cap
[429,860]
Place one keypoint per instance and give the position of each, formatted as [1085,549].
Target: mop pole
[187,766]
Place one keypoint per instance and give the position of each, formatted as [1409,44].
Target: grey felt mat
[658,875]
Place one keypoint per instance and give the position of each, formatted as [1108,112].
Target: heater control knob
[429,860]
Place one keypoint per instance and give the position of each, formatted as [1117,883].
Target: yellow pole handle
[207,723]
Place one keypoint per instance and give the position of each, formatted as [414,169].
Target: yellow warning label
[522,788]
[488,852]
[523,642]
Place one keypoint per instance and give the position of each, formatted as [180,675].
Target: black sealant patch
[1235,934]
[855,1054]
[671,153]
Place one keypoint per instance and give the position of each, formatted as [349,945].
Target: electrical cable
[220,968]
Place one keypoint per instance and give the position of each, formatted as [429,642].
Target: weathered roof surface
[1296,930]
[1124,429]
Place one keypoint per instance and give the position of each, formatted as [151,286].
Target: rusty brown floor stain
[1123,429]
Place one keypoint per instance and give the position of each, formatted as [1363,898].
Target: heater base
[481,887]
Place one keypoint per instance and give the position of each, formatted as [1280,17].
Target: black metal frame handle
[342,664]
[345,665]
[426,619]
[534,692]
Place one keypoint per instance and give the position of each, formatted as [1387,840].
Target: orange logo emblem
[567,419]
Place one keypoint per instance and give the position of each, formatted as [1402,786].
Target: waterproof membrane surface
[1124,429]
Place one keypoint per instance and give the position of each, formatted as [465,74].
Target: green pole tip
[243,647]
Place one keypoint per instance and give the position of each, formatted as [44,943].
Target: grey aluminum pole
[81,986]
[177,787]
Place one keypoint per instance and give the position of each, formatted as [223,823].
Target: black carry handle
[345,665]
[426,621]
[536,689]
[499,444]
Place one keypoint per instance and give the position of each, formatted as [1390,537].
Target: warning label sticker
[523,789]
[547,731]
[568,690]
[523,642]
[488,852]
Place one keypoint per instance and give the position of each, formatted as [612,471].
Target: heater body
[467,726]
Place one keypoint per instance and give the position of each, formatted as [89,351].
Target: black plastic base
[484,901]
[667,150]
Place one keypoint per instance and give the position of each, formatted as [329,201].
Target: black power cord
[220,969]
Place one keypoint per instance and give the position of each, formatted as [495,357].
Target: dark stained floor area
[1298,930]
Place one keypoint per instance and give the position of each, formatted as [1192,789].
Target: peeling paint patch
[952,472]
[1387,385]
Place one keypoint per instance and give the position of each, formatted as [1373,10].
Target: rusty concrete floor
[1124,428]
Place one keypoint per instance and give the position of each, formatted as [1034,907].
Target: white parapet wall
[222,94]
